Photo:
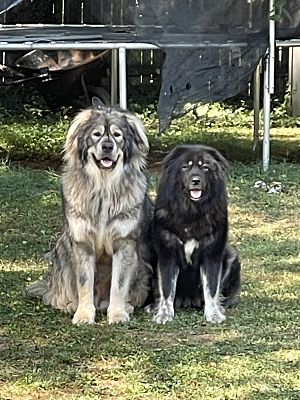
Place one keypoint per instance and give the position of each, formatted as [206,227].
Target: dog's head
[104,138]
[195,169]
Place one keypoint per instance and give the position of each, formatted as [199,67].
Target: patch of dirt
[154,163]
[39,165]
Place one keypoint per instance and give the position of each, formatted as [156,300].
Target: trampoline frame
[118,68]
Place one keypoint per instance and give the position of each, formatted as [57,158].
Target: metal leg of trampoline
[269,84]
[122,78]
[267,110]
[114,77]
[256,104]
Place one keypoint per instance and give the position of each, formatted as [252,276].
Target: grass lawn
[39,135]
[254,355]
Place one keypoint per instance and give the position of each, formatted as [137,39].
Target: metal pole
[267,109]
[269,84]
[288,43]
[28,45]
[61,45]
[290,77]
[256,103]
[272,48]
[122,78]
[114,77]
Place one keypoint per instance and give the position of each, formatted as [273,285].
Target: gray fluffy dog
[101,259]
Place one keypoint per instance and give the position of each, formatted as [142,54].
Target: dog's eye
[117,134]
[188,165]
[97,134]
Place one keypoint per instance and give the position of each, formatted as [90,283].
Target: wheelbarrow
[63,77]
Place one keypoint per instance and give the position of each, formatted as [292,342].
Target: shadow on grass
[39,344]
[235,149]
[30,213]
[276,255]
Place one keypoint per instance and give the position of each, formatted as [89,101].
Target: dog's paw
[214,316]
[162,317]
[71,307]
[117,317]
[150,308]
[103,306]
[129,308]
[84,316]
[187,302]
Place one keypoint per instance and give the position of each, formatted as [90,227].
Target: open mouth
[195,194]
[105,163]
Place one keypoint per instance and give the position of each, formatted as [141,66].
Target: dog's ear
[71,143]
[171,157]
[222,163]
[97,103]
[139,132]
[168,160]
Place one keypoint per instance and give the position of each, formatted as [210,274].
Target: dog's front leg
[210,272]
[124,263]
[84,266]
[167,270]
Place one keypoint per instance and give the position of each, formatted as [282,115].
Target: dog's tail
[38,288]
[231,277]
[140,285]
[41,286]
[57,287]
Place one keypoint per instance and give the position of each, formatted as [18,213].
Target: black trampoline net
[221,43]
[8,4]
[212,47]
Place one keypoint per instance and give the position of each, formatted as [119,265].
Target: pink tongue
[196,194]
[106,162]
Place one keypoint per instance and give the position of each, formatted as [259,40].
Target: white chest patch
[189,247]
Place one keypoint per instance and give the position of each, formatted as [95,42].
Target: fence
[143,65]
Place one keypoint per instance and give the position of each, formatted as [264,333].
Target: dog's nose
[107,146]
[196,180]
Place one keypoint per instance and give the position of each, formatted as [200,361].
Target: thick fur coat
[101,259]
[190,229]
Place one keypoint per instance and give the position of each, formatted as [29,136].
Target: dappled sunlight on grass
[36,136]
[252,356]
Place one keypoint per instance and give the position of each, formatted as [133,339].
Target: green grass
[254,355]
[37,134]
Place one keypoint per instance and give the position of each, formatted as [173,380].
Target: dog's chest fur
[107,219]
[194,238]
[189,247]
[111,228]
[103,231]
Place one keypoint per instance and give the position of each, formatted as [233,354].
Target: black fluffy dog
[196,267]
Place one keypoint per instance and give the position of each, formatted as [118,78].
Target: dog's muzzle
[107,160]
[195,188]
